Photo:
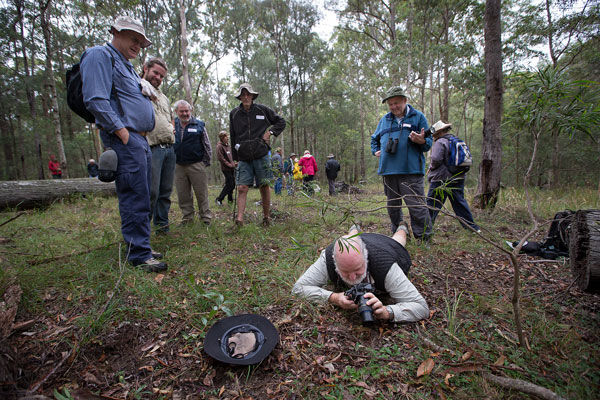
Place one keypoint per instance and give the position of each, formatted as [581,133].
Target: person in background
[92,168]
[277,162]
[309,169]
[400,144]
[54,167]
[332,167]
[288,170]
[446,182]
[193,152]
[251,126]
[227,167]
[161,140]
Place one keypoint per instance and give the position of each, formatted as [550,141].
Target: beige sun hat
[248,87]
[440,126]
[123,22]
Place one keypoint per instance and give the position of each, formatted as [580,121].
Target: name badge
[192,130]
[406,125]
[260,117]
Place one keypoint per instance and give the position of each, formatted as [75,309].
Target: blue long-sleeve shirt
[132,110]
[409,157]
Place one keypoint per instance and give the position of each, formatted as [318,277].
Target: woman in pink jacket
[309,169]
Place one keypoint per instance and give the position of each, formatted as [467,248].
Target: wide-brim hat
[293,155]
[248,87]
[330,156]
[123,22]
[394,91]
[220,341]
[440,126]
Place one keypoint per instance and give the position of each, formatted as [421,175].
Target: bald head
[349,256]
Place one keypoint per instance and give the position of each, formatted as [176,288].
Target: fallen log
[584,249]
[30,194]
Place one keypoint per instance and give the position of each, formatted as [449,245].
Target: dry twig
[523,386]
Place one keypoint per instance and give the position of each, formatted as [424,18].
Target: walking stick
[235,197]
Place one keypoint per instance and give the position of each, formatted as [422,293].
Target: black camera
[430,131]
[357,294]
[391,146]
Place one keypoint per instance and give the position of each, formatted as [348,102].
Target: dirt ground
[164,358]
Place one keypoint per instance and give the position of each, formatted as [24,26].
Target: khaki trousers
[188,177]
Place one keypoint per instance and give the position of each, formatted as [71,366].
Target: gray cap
[394,91]
[248,87]
[107,166]
[123,22]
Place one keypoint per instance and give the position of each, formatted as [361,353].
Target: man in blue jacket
[400,143]
[193,152]
[112,93]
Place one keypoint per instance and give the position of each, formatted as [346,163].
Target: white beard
[355,281]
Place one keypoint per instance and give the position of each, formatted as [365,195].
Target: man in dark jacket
[250,128]
[332,167]
[92,168]
[193,152]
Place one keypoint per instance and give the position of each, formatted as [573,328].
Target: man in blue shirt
[112,93]
[400,143]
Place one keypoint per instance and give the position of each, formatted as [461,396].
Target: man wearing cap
[447,181]
[250,127]
[112,93]
[161,140]
[277,162]
[332,167]
[366,258]
[400,143]
[193,151]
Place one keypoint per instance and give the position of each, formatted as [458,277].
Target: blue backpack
[459,158]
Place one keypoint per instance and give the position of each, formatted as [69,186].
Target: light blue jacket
[409,158]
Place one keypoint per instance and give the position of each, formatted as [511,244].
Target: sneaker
[152,265]
[219,202]
[156,255]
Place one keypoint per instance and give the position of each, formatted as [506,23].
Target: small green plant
[452,311]
[65,395]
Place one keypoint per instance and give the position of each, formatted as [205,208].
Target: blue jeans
[163,174]
[454,190]
[278,185]
[133,180]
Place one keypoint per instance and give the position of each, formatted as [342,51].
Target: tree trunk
[584,249]
[45,7]
[187,83]
[445,90]
[29,194]
[491,155]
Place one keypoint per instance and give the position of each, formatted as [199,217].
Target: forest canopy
[328,88]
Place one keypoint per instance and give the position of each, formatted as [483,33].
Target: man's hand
[267,135]
[378,308]
[340,300]
[378,153]
[123,134]
[418,138]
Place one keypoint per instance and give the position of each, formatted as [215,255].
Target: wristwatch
[390,312]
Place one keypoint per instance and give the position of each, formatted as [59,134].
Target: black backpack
[556,243]
[75,91]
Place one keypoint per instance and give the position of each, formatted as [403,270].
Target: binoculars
[391,146]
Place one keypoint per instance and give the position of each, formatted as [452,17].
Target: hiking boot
[156,255]
[152,265]
[219,202]
[403,226]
